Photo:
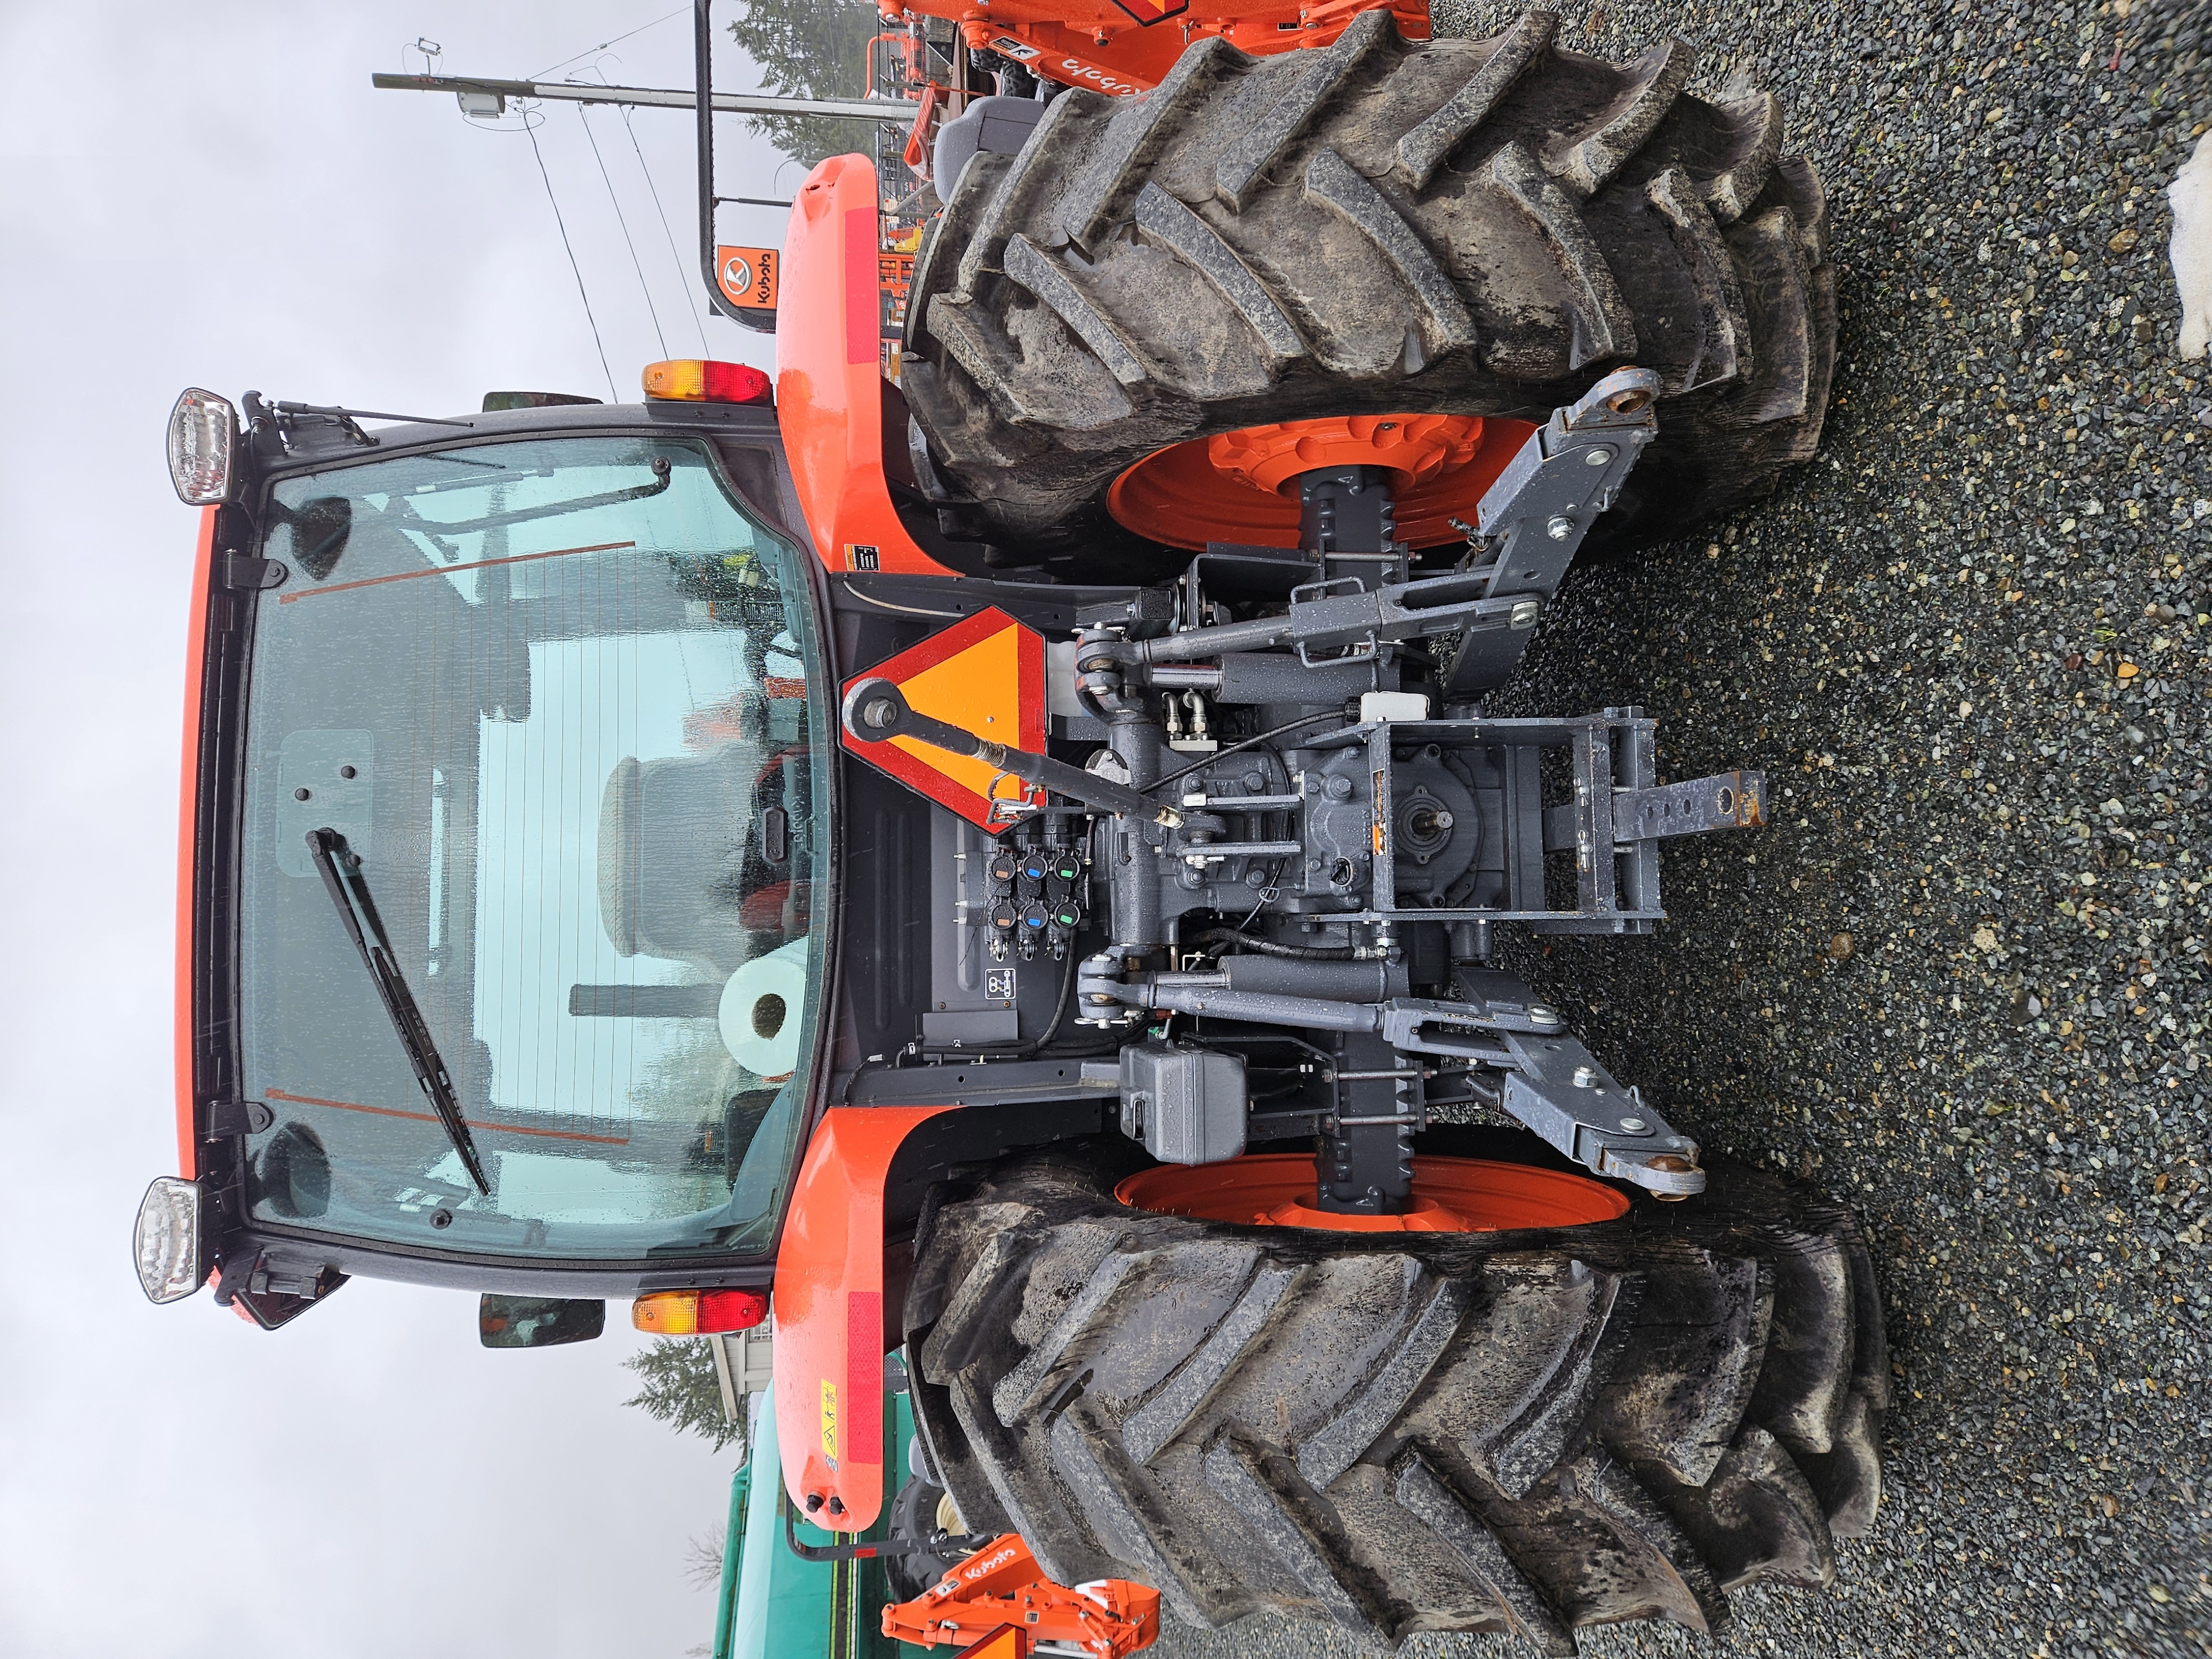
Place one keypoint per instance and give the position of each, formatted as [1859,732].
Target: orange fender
[828,373]
[831,1333]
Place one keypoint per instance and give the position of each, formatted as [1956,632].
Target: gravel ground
[1960,980]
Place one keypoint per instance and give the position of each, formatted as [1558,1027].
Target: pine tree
[679,1388]
[810,49]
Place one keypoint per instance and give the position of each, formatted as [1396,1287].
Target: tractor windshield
[553,696]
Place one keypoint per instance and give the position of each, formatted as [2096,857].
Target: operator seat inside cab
[671,857]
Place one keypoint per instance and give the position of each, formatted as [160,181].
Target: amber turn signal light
[698,1313]
[696,381]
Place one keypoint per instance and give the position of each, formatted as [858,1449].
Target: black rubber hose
[1267,947]
[1238,748]
[1060,1009]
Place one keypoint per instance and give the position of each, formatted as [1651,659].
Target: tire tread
[1376,227]
[1245,164]
[1524,1432]
[1604,328]
[1330,180]
[1590,160]
[1426,147]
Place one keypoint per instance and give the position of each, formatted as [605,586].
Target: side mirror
[535,1321]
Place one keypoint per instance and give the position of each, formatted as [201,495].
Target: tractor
[1016,864]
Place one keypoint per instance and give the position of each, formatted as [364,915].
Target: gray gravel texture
[1960,981]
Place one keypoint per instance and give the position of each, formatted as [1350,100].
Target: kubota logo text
[1097,77]
[992,1563]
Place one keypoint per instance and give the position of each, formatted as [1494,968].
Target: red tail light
[698,1313]
[697,380]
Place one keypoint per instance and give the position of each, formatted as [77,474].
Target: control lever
[876,711]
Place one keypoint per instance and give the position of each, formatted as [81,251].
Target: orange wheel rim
[1240,486]
[1450,1196]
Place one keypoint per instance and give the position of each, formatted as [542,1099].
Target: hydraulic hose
[1267,947]
[1220,755]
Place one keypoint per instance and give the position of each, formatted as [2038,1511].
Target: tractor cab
[509,824]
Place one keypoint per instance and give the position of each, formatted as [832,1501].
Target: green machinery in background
[775,1605]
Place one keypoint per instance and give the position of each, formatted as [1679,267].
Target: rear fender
[867,1173]
[828,373]
[831,1334]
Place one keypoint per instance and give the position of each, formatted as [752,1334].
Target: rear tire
[1482,227]
[1527,1431]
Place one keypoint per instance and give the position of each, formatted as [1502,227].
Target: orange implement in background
[1001,1585]
[1124,46]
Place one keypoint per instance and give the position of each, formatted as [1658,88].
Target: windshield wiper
[361,414]
[443,528]
[341,871]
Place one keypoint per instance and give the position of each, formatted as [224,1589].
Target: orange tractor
[1019,864]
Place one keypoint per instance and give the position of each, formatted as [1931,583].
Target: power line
[529,128]
[603,45]
[651,310]
[682,276]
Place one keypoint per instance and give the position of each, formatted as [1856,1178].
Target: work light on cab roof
[702,380]
[201,430]
[171,1259]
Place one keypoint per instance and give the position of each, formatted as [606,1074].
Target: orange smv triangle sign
[1007,1642]
[984,674]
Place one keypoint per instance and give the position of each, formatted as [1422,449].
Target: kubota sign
[747,276]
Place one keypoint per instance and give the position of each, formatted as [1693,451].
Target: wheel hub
[1450,1196]
[1242,487]
[1417,447]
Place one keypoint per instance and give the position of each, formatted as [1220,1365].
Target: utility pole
[480,96]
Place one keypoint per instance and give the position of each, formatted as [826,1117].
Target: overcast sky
[212,194]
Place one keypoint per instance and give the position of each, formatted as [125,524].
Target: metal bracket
[1416,1026]
[872,1551]
[237,1117]
[1726,800]
[1362,649]
[1534,518]
[238,571]
[1558,1090]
